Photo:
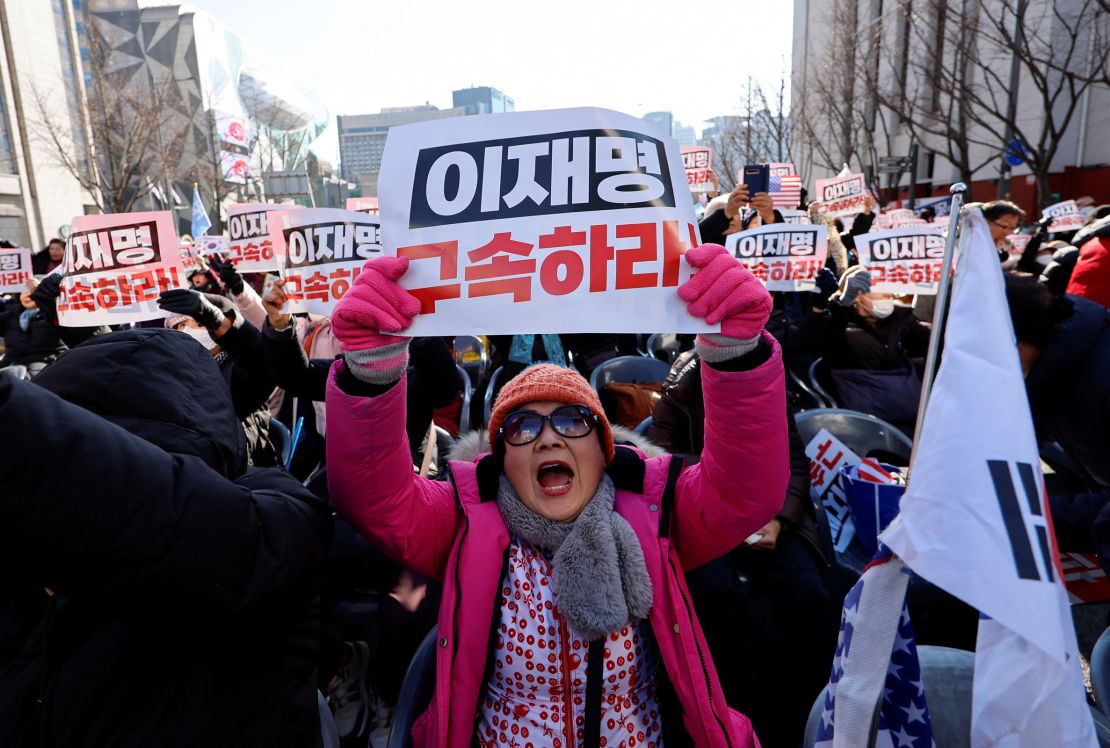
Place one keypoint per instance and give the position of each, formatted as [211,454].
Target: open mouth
[555,478]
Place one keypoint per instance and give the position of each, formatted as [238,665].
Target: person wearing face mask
[565,620]
[236,345]
[868,341]
[29,337]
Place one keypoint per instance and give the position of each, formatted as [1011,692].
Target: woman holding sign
[565,617]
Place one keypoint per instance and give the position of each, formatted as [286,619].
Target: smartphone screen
[757,177]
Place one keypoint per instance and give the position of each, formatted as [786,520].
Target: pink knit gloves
[375,303]
[723,290]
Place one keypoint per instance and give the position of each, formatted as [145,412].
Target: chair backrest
[663,346]
[793,381]
[821,381]
[467,393]
[281,439]
[416,692]
[329,733]
[471,355]
[860,432]
[946,676]
[491,388]
[629,369]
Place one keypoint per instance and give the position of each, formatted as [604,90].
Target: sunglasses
[570,421]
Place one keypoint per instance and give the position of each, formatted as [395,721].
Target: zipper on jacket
[446,706]
[568,673]
[701,655]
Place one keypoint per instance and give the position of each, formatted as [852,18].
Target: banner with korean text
[249,244]
[697,161]
[115,266]
[842,196]
[1065,217]
[786,257]
[561,221]
[15,270]
[321,251]
[903,261]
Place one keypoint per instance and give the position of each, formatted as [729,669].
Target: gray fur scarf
[599,577]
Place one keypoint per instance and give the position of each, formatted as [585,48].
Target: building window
[69,79]
[7,158]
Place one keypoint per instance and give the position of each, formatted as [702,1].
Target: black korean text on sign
[109,249]
[698,159]
[915,247]
[846,188]
[331,242]
[781,244]
[248,226]
[576,171]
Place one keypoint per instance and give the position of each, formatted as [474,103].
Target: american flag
[903,717]
[785,191]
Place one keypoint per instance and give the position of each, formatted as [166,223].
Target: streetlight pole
[1011,103]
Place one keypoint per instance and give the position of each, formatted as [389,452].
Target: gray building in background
[362,139]
[663,121]
[482,100]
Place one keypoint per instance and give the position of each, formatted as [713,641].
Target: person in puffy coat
[154,590]
[565,617]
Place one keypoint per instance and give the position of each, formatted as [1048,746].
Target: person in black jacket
[30,339]
[724,216]
[237,347]
[171,593]
[767,609]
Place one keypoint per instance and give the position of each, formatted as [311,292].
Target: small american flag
[785,191]
[904,717]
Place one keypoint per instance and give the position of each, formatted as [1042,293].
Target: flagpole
[940,311]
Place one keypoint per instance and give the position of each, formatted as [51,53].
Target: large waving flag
[975,520]
[876,663]
[201,224]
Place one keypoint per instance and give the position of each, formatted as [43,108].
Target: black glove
[1043,224]
[46,295]
[194,304]
[229,276]
[826,287]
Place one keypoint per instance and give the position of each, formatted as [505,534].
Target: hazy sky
[634,57]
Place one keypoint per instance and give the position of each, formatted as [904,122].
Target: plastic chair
[799,384]
[629,369]
[416,692]
[281,439]
[946,675]
[329,733]
[491,388]
[471,355]
[860,432]
[663,346]
[467,393]
[818,373]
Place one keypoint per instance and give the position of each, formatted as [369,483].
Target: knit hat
[553,383]
[173,320]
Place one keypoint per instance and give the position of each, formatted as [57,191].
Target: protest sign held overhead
[781,169]
[940,205]
[1065,217]
[842,196]
[367,205]
[249,246]
[539,222]
[785,257]
[115,266]
[794,216]
[902,261]
[15,270]
[698,161]
[784,186]
[322,251]
[207,245]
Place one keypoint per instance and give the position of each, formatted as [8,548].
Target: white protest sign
[911,221]
[842,196]
[363,205]
[941,205]
[189,261]
[321,251]
[571,220]
[781,169]
[249,247]
[115,266]
[795,216]
[697,161]
[1016,244]
[882,221]
[827,455]
[898,215]
[903,261]
[785,257]
[1065,217]
[15,270]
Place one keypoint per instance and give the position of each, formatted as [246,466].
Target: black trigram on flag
[1015,520]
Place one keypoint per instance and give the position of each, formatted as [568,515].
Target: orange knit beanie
[555,384]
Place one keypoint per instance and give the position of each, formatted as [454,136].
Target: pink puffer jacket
[447,531]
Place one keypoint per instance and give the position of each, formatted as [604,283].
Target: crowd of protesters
[180,570]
